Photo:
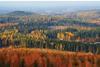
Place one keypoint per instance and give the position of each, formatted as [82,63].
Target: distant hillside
[91,16]
[20,13]
[86,18]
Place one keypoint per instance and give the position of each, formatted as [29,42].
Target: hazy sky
[52,5]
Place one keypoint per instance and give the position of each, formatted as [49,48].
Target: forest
[61,32]
[29,39]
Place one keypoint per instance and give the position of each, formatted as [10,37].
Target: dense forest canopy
[29,29]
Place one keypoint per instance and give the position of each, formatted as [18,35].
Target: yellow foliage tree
[69,35]
[60,36]
[37,35]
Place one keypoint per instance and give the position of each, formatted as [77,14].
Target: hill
[25,57]
[91,16]
[20,13]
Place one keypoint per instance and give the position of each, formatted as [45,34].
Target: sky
[49,0]
[48,5]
